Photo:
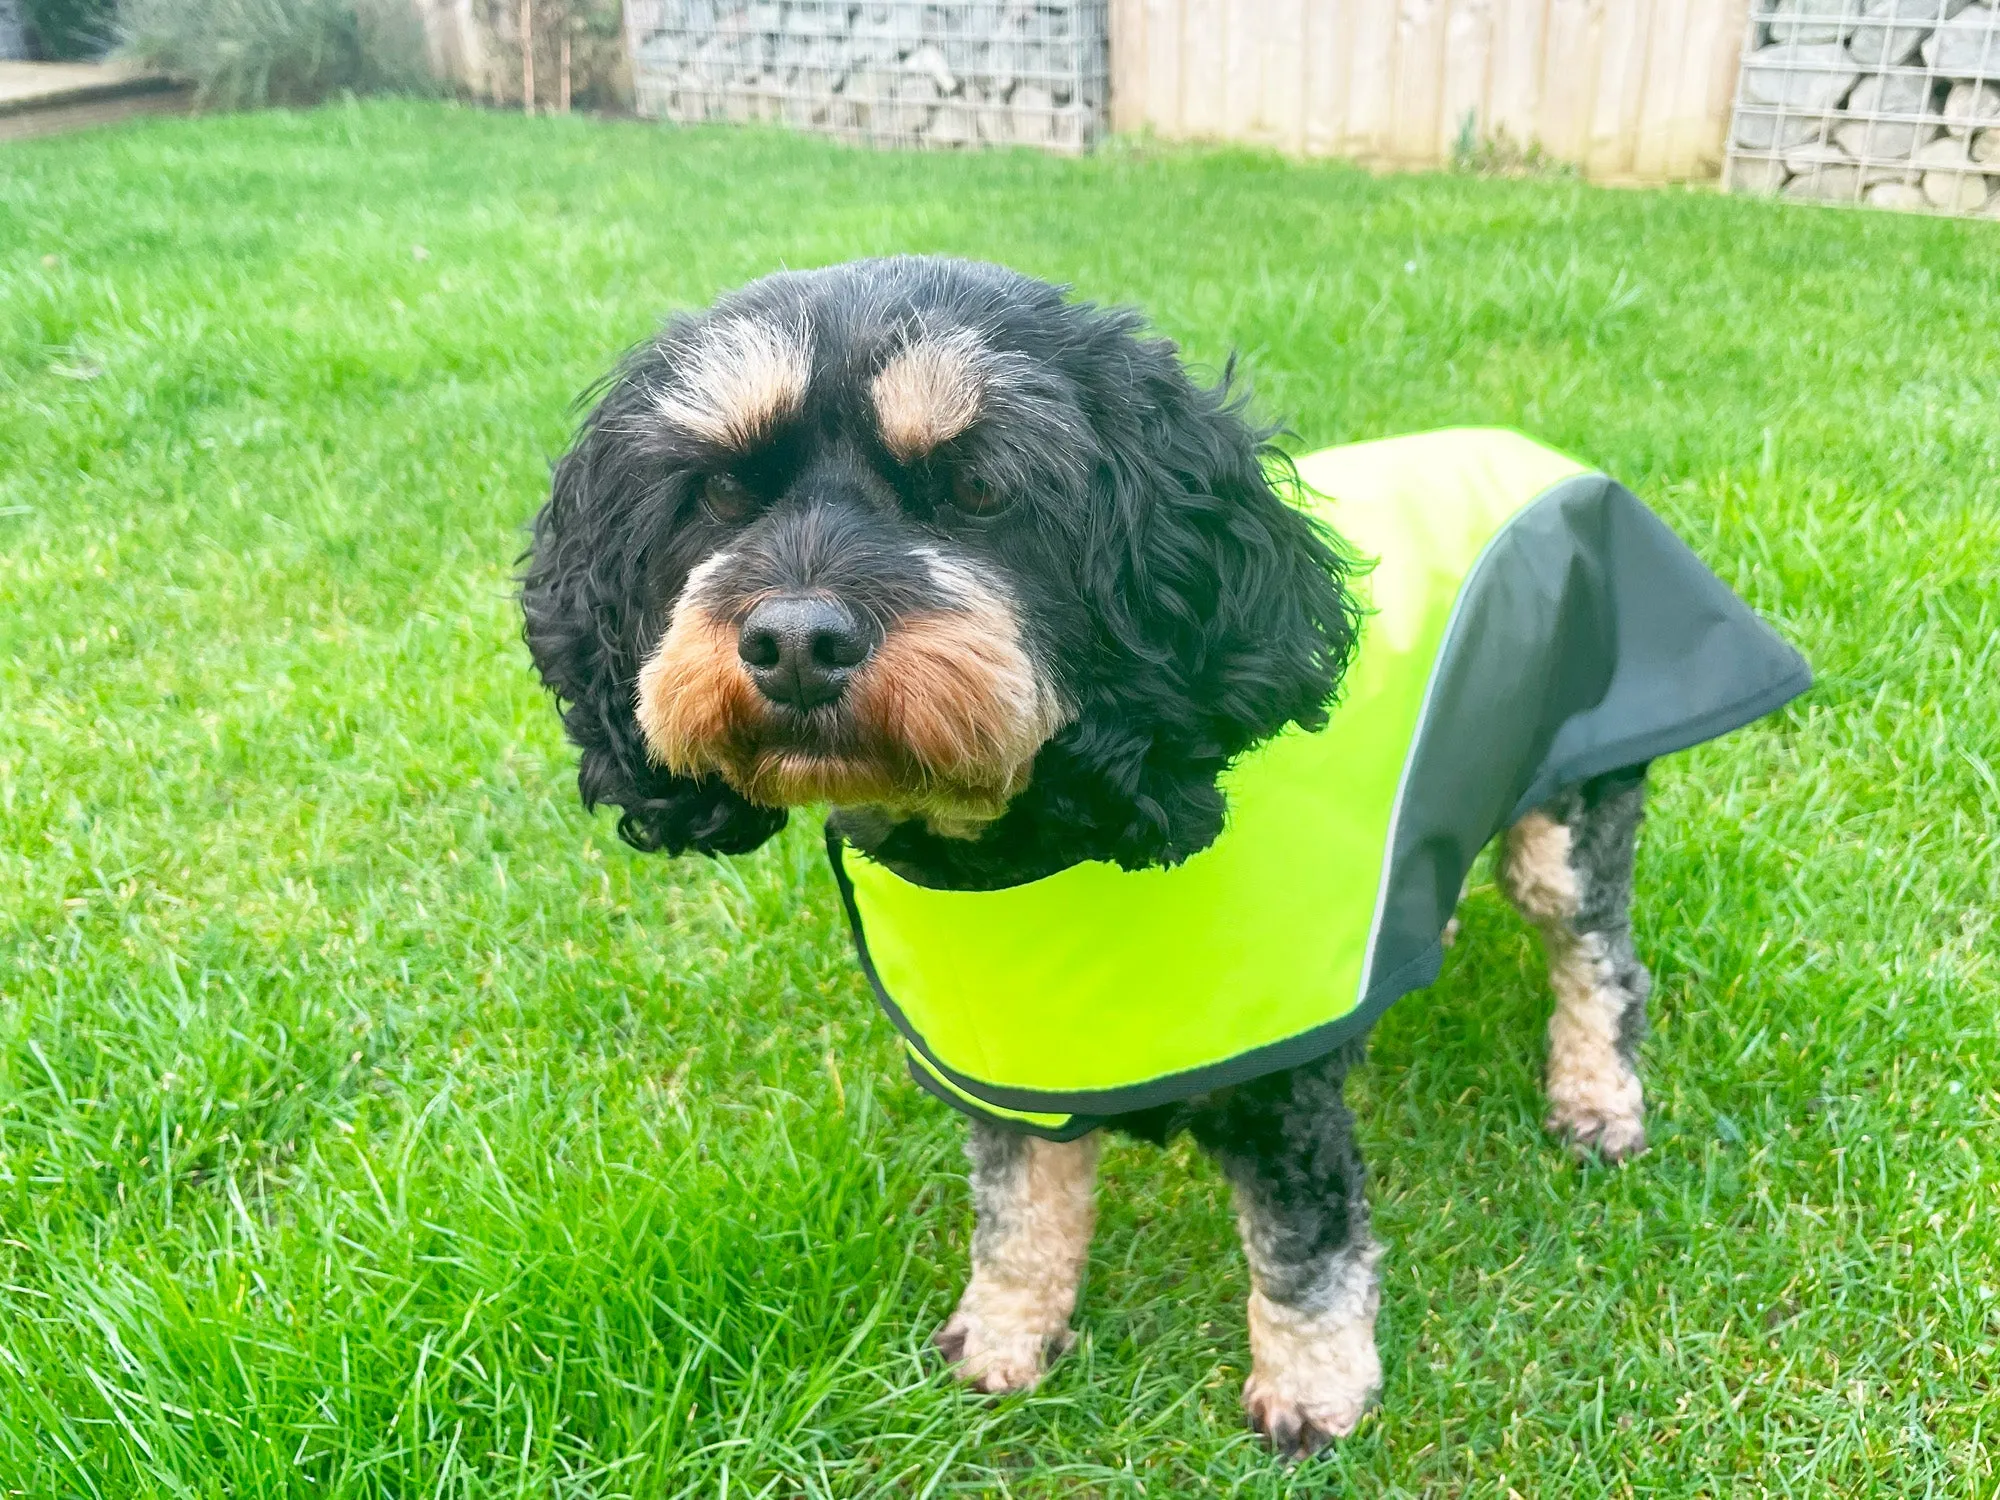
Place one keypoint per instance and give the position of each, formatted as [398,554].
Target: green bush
[243,53]
[65,29]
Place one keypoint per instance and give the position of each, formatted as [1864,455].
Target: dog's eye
[727,499]
[974,496]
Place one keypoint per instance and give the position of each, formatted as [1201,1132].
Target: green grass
[372,1123]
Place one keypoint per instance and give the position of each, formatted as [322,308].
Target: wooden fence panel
[1630,90]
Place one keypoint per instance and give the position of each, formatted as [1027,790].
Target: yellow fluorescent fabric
[1098,978]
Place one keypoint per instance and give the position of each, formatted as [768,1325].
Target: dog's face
[866,561]
[918,536]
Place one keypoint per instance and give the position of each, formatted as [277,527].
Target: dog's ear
[1224,609]
[588,594]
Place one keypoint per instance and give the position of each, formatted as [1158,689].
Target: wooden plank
[1514,107]
[1663,61]
[1163,66]
[1204,38]
[1284,58]
[1128,64]
[1464,107]
[80,112]
[28,86]
[1628,88]
[1685,141]
[1328,47]
[1242,64]
[1419,74]
[1619,95]
[1719,35]
[1570,69]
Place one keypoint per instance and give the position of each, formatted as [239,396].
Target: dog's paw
[1611,1135]
[1313,1376]
[1449,936]
[992,1356]
[1300,1417]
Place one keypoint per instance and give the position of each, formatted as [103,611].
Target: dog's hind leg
[1287,1144]
[1568,868]
[1035,1203]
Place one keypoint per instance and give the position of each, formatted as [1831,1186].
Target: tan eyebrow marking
[929,392]
[739,382]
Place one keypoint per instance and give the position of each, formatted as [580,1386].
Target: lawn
[372,1123]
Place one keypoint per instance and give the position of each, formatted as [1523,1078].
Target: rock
[1882,140]
[1907,175]
[995,123]
[915,96]
[1883,45]
[1971,105]
[1966,46]
[1032,109]
[1787,27]
[1760,176]
[801,20]
[1986,146]
[1817,154]
[1827,184]
[751,98]
[827,54]
[1769,130]
[1808,78]
[1887,94]
[952,126]
[805,98]
[1900,195]
[1951,180]
[1897,91]
[928,61]
[1957,193]
[666,49]
[1070,130]
[1891,94]
[864,92]
[868,85]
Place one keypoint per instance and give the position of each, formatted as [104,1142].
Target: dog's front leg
[1035,1203]
[1287,1144]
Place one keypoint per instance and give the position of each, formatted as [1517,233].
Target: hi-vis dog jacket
[1531,624]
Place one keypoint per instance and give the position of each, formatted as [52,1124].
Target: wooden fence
[1630,90]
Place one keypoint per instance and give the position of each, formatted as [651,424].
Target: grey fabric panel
[1589,638]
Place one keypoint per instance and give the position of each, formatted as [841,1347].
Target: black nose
[802,648]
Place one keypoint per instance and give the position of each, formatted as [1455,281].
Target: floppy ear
[596,593]
[1224,610]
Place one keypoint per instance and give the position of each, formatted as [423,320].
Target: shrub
[65,29]
[243,53]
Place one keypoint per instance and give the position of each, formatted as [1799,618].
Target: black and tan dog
[988,572]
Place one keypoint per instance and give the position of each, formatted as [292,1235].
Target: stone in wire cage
[880,72]
[1894,103]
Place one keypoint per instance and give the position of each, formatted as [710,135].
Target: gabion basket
[1894,103]
[885,72]
[13,37]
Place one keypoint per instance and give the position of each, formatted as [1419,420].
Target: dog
[989,572]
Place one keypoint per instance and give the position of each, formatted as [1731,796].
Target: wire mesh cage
[1894,103]
[880,72]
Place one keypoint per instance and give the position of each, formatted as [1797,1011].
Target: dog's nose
[802,648]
